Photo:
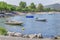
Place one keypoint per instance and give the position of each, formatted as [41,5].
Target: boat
[41,19]
[50,14]
[13,23]
[29,15]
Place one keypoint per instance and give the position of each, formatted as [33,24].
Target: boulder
[32,36]
[26,36]
[18,34]
[57,37]
[10,33]
[39,35]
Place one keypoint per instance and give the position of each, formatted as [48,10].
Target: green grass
[3,31]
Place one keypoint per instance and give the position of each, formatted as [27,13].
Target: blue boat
[29,16]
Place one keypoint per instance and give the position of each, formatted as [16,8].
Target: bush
[3,31]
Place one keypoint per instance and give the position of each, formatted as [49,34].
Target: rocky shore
[21,36]
[14,34]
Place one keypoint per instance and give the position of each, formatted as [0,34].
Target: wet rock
[26,36]
[32,36]
[39,35]
[57,37]
[10,33]
[18,34]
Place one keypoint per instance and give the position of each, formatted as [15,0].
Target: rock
[10,33]
[18,34]
[26,36]
[39,35]
[57,37]
[32,36]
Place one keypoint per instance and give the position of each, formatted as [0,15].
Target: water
[50,28]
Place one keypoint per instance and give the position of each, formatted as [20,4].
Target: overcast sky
[44,2]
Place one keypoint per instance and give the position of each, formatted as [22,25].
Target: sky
[44,2]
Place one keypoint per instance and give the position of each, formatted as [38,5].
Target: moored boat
[29,15]
[40,19]
[13,23]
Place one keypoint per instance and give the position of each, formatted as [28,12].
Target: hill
[53,6]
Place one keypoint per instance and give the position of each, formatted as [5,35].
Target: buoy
[23,28]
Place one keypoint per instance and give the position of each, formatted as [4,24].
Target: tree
[6,7]
[47,9]
[32,7]
[26,9]
[40,7]
[11,7]
[18,9]
[22,4]
[3,5]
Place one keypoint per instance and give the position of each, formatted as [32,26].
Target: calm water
[48,29]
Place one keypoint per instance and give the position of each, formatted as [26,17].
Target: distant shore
[21,13]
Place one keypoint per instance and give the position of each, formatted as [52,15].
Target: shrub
[3,31]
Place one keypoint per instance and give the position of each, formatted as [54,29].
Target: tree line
[24,8]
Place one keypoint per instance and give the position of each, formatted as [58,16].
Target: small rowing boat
[13,23]
[40,19]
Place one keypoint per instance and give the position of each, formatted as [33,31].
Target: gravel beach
[19,38]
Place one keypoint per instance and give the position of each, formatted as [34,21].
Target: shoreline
[30,36]
[2,37]
[21,13]
[19,38]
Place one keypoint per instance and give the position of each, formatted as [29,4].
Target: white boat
[13,23]
[40,19]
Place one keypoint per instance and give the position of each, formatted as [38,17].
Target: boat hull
[41,20]
[13,23]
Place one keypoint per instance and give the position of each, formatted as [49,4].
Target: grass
[3,31]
